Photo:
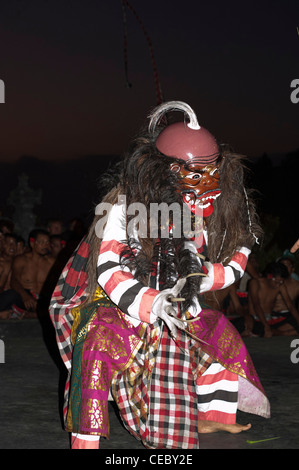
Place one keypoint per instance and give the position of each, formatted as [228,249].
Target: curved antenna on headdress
[169,106]
[125,45]
[125,3]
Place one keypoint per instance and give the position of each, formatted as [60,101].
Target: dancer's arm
[219,276]
[129,294]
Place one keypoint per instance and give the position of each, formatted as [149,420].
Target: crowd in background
[29,269]
[260,304]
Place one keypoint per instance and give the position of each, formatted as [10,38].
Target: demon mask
[197,158]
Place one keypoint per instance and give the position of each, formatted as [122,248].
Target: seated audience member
[252,267]
[57,243]
[262,297]
[6,226]
[1,242]
[75,231]
[289,261]
[21,245]
[292,285]
[6,259]
[60,255]
[54,227]
[29,272]
[251,272]
[227,301]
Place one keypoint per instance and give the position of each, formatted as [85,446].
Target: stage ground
[30,385]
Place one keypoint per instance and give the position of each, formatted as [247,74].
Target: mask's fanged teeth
[203,199]
[190,198]
[204,206]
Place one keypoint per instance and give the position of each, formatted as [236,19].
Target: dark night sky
[65,90]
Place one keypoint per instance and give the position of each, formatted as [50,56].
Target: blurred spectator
[251,272]
[74,234]
[289,261]
[292,285]
[60,255]
[1,242]
[76,230]
[262,297]
[228,301]
[6,259]
[6,226]
[54,227]
[252,267]
[57,243]
[21,246]
[224,300]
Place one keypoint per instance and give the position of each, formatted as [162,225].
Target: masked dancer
[128,309]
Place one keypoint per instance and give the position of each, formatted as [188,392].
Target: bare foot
[205,427]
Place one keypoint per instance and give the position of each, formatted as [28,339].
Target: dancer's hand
[165,307]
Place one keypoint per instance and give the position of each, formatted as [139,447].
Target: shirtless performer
[263,294]
[292,286]
[237,313]
[6,259]
[5,227]
[29,272]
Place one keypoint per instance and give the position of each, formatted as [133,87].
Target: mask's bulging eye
[197,176]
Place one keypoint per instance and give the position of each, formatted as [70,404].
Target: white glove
[167,310]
